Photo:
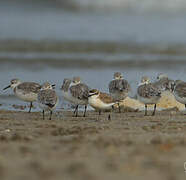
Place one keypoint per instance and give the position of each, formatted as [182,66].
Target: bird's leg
[30,107]
[77,110]
[50,115]
[119,108]
[85,111]
[145,109]
[154,110]
[43,114]
[111,111]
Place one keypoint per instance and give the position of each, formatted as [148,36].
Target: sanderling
[47,99]
[26,91]
[64,88]
[78,93]
[147,93]
[163,83]
[100,101]
[119,88]
[179,91]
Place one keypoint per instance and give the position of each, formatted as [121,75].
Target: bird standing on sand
[119,88]
[100,101]
[47,99]
[26,91]
[147,93]
[78,93]
[179,91]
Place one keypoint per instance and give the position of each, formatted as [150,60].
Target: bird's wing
[80,91]
[29,87]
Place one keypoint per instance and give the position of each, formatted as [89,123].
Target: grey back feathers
[148,91]
[80,91]
[28,87]
[180,89]
[164,84]
[47,97]
[119,85]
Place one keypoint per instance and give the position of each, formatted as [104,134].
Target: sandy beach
[129,146]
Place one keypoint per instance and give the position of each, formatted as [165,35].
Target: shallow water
[93,78]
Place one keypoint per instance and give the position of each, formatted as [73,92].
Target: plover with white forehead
[78,93]
[119,88]
[100,101]
[26,91]
[179,91]
[163,83]
[47,99]
[147,93]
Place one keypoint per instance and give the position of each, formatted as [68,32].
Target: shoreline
[129,146]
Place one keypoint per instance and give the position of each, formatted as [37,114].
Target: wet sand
[129,146]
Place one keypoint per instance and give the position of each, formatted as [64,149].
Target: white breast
[98,104]
[152,100]
[28,97]
[66,95]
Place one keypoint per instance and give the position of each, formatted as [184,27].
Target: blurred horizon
[133,6]
[144,22]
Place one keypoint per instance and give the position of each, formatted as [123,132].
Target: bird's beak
[7,87]
[53,86]
[90,95]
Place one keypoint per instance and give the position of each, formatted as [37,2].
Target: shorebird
[179,91]
[47,99]
[64,88]
[119,88]
[100,101]
[78,93]
[163,83]
[26,91]
[147,93]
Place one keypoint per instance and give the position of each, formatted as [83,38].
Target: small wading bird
[163,83]
[47,99]
[119,88]
[64,89]
[100,101]
[147,93]
[26,91]
[78,93]
[179,91]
